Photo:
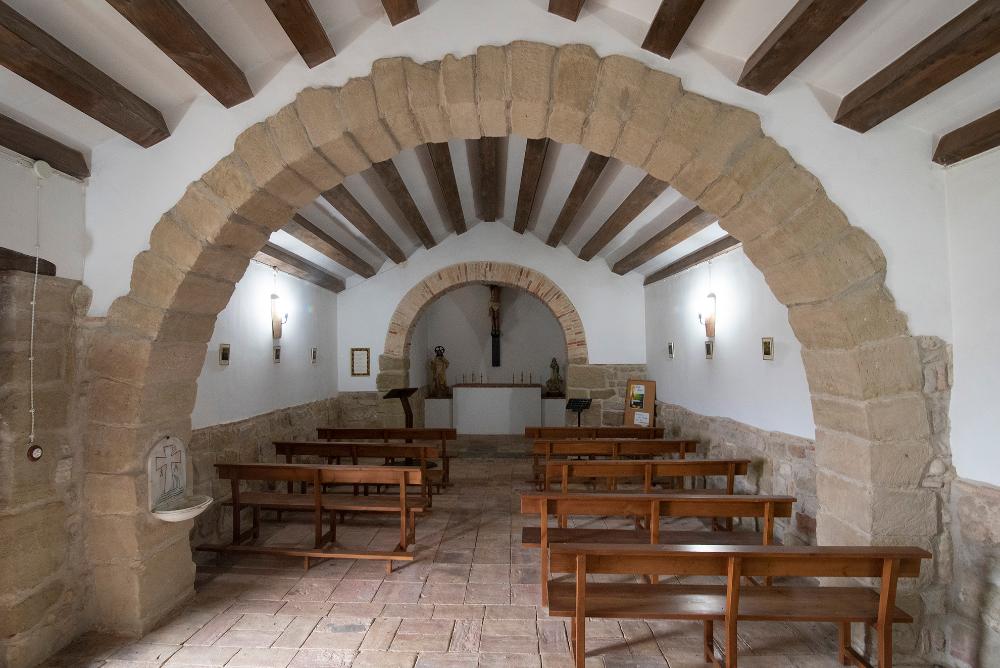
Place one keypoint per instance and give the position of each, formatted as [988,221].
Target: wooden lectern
[403,394]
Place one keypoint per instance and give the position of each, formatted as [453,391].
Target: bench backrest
[322,473]
[612,470]
[668,505]
[613,447]
[355,450]
[593,432]
[386,433]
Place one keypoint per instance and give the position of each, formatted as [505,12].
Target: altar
[493,408]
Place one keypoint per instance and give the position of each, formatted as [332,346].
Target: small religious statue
[554,385]
[495,322]
[439,378]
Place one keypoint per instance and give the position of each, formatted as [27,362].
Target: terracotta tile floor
[470,598]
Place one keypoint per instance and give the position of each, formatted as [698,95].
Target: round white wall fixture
[42,169]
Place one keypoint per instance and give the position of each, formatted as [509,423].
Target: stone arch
[874,434]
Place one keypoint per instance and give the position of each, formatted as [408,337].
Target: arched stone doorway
[874,434]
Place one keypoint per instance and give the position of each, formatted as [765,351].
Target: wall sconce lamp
[278,316]
[707,315]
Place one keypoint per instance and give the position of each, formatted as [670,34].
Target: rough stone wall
[357,409]
[605,385]
[249,440]
[780,463]
[43,577]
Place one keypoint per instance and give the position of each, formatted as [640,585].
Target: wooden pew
[316,502]
[385,434]
[730,603]
[647,470]
[334,452]
[544,451]
[651,507]
[592,432]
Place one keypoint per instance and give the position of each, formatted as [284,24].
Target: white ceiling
[725,31]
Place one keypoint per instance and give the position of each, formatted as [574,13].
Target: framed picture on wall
[640,403]
[670,350]
[709,349]
[276,355]
[767,347]
[314,356]
[224,354]
[361,361]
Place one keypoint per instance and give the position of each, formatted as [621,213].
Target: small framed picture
[767,347]
[670,350]
[361,361]
[223,354]
[314,355]
[709,349]
[276,357]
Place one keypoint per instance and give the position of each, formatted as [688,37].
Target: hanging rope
[34,297]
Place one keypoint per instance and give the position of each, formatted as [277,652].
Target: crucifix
[495,322]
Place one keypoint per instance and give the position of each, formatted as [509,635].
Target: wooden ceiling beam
[290,263]
[168,25]
[489,177]
[703,254]
[400,10]
[568,9]
[531,172]
[444,170]
[12,260]
[800,32]
[683,228]
[343,201]
[641,196]
[32,54]
[972,139]
[669,25]
[32,144]
[303,27]
[950,51]
[592,168]
[308,233]
[393,182]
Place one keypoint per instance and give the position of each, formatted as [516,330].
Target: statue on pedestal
[554,385]
[439,377]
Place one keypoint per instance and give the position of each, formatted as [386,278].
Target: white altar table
[496,408]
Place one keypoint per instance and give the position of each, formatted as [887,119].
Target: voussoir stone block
[264,163]
[492,90]
[127,314]
[120,449]
[126,357]
[749,168]
[160,283]
[779,196]
[659,92]
[574,77]
[114,402]
[690,119]
[290,137]
[392,363]
[426,99]
[880,368]
[893,465]
[173,240]
[734,130]
[389,80]
[232,182]
[619,82]
[318,110]
[866,313]
[818,223]
[211,221]
[458,81]
[359,109]
[530,87]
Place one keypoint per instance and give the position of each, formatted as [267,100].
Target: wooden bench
[440,435]
[544,451]
[647,470]
[334,452]
[650,507]
[553,433]
[318,502]
[730,602]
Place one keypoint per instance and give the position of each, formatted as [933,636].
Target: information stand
[578,406]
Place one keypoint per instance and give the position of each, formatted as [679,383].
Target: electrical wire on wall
[42,171]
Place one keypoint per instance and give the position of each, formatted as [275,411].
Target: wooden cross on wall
[495,322]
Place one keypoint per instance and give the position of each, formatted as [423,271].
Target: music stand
[578,406]
[403,394]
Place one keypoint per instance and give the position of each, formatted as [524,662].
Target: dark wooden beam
[489,177]
[568,9]
[344,202]
[400,10]
[803,29]
[952,50]
[531,171]
[31,144]
[300,23]
[393,182]
[31,53]
[12,260]
[641,196]
[703,254]
[669,25]
[977,137]
[690,223]
[292,264]
[444,170]
[305,231]
[168,25]
[592,168]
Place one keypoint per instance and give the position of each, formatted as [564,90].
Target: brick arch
[863,367]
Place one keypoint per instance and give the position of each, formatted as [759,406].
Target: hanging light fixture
[278,315]
[707,315]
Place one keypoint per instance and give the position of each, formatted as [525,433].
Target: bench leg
[256,523]
[580,640]
[844,643]
[885,645]
[708,641]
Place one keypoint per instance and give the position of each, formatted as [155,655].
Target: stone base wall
[780,463]
[43,562]
[357,409]
[605,385]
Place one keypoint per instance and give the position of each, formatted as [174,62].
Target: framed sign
[361,361]
[224,349]
[314,356]
[276,355]
[640,403]
[767,347]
